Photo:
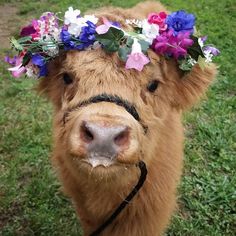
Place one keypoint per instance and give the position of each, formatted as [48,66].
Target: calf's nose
[102,140]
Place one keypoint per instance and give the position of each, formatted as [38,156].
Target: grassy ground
[30,200]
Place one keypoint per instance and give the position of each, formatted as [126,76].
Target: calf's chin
[97,143]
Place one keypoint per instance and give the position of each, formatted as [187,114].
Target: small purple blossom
[170,45]
[18,69]
[180,21]
[212,50]
[11,61]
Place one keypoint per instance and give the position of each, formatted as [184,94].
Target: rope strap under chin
[142,178]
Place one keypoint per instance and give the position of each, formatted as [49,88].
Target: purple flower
[180,21]
[11,61]
[18,69]
[40,61]
[169,44]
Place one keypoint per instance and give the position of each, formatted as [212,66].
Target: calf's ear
[185,89]
[190,87]
[51,85]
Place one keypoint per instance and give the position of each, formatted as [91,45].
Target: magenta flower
[27,31]
[169,44]
[158,19]
[136,60]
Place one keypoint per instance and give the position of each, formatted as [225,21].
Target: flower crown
[173,36]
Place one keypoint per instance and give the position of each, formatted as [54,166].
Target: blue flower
[84,40]
[87,35]
[40,61]
[65,36]
[180,21]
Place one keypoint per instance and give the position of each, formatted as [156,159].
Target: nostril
[122,138]
[85,133]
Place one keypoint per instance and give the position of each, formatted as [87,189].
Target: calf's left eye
[67,79]
[152,86]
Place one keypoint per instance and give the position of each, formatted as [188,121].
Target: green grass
[30,200]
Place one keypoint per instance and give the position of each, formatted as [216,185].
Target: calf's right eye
[152,86]
[67,78]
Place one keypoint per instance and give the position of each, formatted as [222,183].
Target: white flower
[71,16]
[192,61]
[75,28]
[53,51]
[201,42]
[136,47]
[32,71]
[135,22]
[91,18]
[208,55]
[150,31]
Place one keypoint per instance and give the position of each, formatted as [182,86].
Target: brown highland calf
[97,145]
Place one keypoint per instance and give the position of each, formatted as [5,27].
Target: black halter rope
[127,200]
[130,108]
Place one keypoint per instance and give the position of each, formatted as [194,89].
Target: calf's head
[107,117]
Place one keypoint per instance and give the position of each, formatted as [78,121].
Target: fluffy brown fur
[96,192]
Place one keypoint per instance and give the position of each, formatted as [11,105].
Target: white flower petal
[71,16]
[136,47]
[150,31]
[91,18]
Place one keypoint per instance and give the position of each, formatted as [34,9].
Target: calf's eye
[152,85]
[67,79]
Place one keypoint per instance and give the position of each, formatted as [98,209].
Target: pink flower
[158,19]
[170,45]
[102,29]
[46,25]
[136,60]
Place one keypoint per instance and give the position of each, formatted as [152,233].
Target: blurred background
[31,202]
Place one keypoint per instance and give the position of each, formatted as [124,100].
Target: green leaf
[123,53]
[26,59]
[24,39]
[184,66]
[112,46]
[111,39]
[129,42]
[138,30]
[202,62]
[144,45]
[195,50]
[16,45]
